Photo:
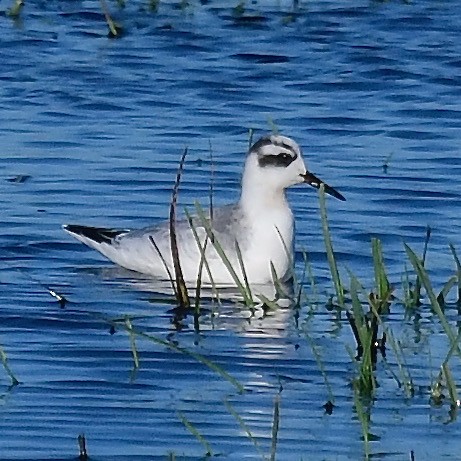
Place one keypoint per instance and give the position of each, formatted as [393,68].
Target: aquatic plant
[458,271]
[387,162]
[138,333]
[132,336]
[362,311]
[243,286]
[15,10]
[365,311]
[181,288]
[115,30]
[329,248]
[201,222]
[83,453]
[329,404]
[244,427]
[6,366]
[425,280]
[275,426]
[195,432]
[366,320]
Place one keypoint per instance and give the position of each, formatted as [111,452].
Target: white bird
[261,224]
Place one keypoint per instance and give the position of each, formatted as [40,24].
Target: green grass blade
[198,287]
[242,268]
[248,300]
[275,427]
[134,350]
[270,303]
[365,334]
[244,427]
[15,10]
[114,29]
[171,345]
[329,248]
[406,379]
[250,137]
[307,269]
[280,290]
[442,296]
[299,284]
[198,282]
[451,385]
[273,126]
[417,290]
[381,280]
[422,274]
[386,162]
[202,250]
[321,367]
[453,347]
[426,243]
[211,192]
[458,271]
[193,430]
[181,288]
[6,366]
[357,311]
[363,417]
[165,265]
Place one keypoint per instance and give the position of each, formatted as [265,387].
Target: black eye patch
[280,160]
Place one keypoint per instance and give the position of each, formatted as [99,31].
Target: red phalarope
[261,223]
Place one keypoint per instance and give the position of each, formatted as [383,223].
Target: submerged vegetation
[370,307]
[365,311]
[6,366]
[241,12]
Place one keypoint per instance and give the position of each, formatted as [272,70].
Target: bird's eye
[285,159]
[281,159]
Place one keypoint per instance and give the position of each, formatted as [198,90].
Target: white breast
[271,241]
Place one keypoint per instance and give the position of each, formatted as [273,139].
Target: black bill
[313,181]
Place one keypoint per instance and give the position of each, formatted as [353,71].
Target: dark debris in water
[165,27]
[19,179]
[116,31]
[244,19]
[329,407]
[262,58]
[60,298]
[83,454]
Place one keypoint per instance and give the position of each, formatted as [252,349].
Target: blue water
[92,129]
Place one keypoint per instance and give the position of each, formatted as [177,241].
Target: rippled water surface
[92,129]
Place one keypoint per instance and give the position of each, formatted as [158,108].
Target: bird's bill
[313,181]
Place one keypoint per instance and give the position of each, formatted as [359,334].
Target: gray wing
[228,224]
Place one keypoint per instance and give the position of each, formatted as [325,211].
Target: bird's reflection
[210,305]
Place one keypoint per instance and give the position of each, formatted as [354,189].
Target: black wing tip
[97,234]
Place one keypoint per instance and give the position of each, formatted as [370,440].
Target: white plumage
[261,223]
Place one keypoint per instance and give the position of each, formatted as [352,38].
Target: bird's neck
[260,197]
[270,224]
